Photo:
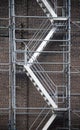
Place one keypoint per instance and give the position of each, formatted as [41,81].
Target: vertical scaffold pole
[10,67]
[12,70]
[69,60]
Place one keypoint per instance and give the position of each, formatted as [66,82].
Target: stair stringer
[49,35]
[40,87]
[41,46]
[49,122]
[48,7]
[31,74]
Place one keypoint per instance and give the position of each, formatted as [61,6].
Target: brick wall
[26,94]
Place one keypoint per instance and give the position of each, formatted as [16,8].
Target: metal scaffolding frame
[14,51]
[61,23]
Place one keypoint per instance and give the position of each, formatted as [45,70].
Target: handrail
[38,31]
[43,119]
[37,118]
[44,78]
[41,36]
[42,45]
[46,81]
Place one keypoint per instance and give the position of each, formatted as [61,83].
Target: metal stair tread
[42,89]
[45,5]
[39,89]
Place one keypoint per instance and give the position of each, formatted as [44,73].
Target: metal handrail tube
[46,74]
[45,81]
[38,67]
[42,80]
[30,43]
[34,36]
[41,36]
[37,117]
[42,77]
[43,119]
[36,43]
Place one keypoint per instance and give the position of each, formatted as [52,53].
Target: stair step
[41,5]
[47,6]
[39,1]
[34,84]
[48,14]
[40,87]
[45,11]
[31,79]
[39,90]
[44,8]
[27,74]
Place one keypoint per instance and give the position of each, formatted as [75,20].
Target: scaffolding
[39,62]
[57,95]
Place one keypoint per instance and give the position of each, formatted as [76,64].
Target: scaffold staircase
[42,81]
[47,8]
[46,34]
